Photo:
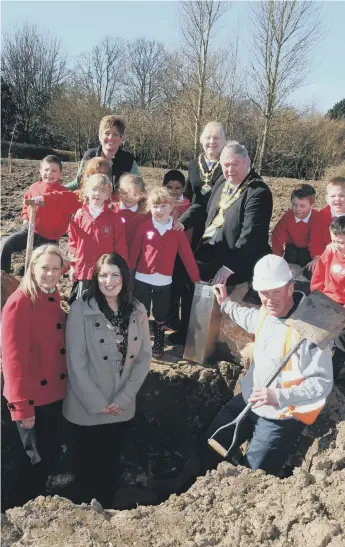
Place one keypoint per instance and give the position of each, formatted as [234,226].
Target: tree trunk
[263,145]
[198,118]
[170,142]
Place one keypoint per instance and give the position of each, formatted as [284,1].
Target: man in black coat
[238,213]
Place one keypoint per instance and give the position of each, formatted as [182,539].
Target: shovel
[30,240]
[319,320]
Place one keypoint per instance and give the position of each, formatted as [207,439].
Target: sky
[81,24]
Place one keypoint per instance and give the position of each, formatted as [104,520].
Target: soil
[229,507]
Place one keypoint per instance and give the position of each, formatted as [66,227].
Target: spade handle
[236,422]
[282,363]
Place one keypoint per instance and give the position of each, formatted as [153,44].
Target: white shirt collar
[162,228]
[47,291]
[305,220]
[181,197]
[336,215]
[134,208]
[95,211]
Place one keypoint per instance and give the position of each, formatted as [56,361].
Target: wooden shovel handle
[31,235]
[33,203]
[217,447]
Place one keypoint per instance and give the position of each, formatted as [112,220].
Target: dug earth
[229,507]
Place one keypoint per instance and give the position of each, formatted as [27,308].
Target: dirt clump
[229,507]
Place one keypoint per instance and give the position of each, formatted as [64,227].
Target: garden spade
[319,320]
[30,240]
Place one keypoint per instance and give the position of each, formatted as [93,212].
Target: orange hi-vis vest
[291,375]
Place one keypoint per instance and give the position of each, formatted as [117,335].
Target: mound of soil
[228,507]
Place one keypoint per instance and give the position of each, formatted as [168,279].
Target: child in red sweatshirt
[298,234]
[329,278]
[95,230]
[335,197]
[175,182]
[52,219]
[132,205]
[153,255]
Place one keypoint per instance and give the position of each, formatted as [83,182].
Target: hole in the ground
[176,402]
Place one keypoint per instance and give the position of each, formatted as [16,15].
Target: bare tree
[146,62]
[284,33]
[75,116]
[33,66]
[227,87]
[100,71]
[197,23]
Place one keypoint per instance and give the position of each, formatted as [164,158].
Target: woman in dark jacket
[204,172]
[111,135]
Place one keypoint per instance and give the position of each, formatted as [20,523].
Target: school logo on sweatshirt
[338,270]
[106,231]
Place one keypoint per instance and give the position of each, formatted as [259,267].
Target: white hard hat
[271,272]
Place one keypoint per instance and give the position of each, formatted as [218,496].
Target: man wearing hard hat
[298,394]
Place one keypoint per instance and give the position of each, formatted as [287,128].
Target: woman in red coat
[34,363]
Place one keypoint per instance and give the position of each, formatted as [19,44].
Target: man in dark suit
[238,213]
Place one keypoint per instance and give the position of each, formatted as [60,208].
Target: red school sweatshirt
[326,218]
[155,253]
[329,276]
[33,352]
[181,206]
[59,205]
[90,238]
[301,234]
[130,220]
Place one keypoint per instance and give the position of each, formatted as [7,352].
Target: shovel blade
[318,319]
[204,325]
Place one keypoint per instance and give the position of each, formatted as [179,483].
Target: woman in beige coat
[108,357]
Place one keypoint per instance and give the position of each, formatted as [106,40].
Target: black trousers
[30,479]
[159,297]
[271,441]
[340,341]
[300,256]
[297,255]
[96,453]
[16,243]
[177,288]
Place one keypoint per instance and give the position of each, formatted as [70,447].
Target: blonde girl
[34,364]
[152,256]
[94,231]
[132,205]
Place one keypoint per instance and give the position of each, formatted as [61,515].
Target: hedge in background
[32,152]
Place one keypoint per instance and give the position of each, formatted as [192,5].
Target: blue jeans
[271,441]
